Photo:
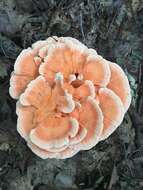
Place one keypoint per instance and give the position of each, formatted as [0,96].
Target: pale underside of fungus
[68,97]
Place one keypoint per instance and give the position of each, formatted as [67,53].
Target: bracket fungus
[68,97]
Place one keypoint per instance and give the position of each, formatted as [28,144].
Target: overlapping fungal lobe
[68,97]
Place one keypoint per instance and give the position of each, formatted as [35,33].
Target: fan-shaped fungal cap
[119,84]
[69,97]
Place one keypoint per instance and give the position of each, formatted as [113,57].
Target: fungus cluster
[68,97]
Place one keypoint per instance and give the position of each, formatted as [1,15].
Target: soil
[115,29]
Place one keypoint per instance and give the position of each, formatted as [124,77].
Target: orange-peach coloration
[69,97]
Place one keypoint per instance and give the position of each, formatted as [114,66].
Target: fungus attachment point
[69,97]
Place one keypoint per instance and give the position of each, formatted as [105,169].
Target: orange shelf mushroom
[68,97]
